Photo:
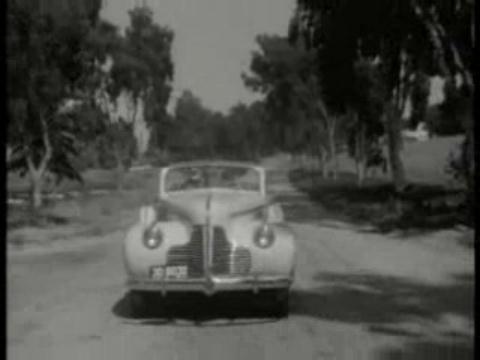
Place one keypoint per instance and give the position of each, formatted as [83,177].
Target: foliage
[419,98]
[368,100]
[61,8]
[245,132]
[47,62]
[116,145]
[56,58]
[293,95]
[406,39]
[194,131]
[191,132]
[143,67]
[455,111]
[137,64]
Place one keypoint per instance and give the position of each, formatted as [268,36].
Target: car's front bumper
[211,285]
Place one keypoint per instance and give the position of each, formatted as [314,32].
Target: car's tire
[282,306]
[279,302]
[139,302]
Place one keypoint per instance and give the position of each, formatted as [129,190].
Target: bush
[461,166]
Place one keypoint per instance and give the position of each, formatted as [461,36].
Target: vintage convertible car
[212,229]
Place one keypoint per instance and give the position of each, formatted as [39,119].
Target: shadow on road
[424,350]
[225,309]
[375,300]
[394,307]
[420,208]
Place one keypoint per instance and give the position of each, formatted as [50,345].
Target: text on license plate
[170,272]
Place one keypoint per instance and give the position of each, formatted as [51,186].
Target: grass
[93,179]
[373,204]
[426,162]
[424,207]
[87,215]
[431,202]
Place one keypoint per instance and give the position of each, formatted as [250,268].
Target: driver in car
[196,179]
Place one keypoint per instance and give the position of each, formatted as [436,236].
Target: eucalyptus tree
[246,130]
[49,66]
[300,121]
[365,110]
[191,133]
[405,38]
[143,68]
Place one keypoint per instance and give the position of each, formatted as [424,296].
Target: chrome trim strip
[209,287]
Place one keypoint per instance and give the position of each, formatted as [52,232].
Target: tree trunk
[360,172]
[394,149]
[135,127]
[333,148]
[314,158]
[37,172]
[470,158]
[120,170]
[120,176]
[303,161]
[324,159]
[36,190]
[360,152]
[468,163]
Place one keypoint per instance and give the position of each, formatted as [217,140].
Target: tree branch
[48,146]
[435,37]
[439,37]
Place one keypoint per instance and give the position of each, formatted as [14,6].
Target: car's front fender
[138,259]
[278,259]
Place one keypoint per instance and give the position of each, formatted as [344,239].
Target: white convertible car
[213,229]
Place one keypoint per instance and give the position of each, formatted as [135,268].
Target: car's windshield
[212,176]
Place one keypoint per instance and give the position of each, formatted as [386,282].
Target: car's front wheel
[279,304]
[139,302]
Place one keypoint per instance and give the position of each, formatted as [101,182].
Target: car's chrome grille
[227,260]
[190,254]
[242,261]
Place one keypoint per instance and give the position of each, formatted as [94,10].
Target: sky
[213,41]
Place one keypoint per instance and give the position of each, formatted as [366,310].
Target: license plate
[176,272]
[157,273]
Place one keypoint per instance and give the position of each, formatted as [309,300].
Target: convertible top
[215,163]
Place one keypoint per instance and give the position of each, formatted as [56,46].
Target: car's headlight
[152,238]
[264,237]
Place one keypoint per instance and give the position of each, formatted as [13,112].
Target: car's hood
[215,205]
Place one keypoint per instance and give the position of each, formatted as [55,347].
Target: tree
[135,70]
[245,132]
[191,133]
[453,112]
[117,144]
[62,8]
[325,122]
[301,119]
[47,65]
[419,99]
[274,73]
[405,37]
[143,68]
[366,107]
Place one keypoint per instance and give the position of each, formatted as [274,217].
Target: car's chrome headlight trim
[153,238]
[264,236]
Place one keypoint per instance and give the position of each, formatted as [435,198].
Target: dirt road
[357,295]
